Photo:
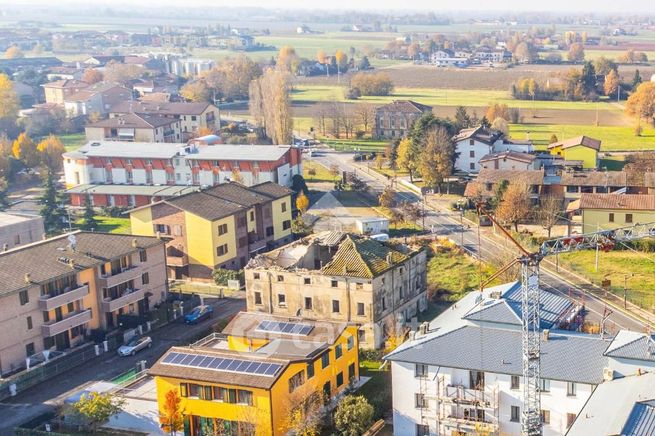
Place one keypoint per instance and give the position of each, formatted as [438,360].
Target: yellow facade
[227,239]
[587,155]
[141,222]
[281,213]
[605,219]
[201,248]
[270,407]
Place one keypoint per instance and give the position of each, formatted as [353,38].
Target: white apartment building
[463,376]
[475,143]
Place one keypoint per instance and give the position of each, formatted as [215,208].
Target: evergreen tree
[588,78]
[89,218]
[52,209]
[4,201]
[462,118]
[636,80]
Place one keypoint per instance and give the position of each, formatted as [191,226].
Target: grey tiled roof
[272,190]
[641,421]
[205,206]
[641,348]
[566,357]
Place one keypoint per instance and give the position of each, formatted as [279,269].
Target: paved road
[447,224]
[46,396]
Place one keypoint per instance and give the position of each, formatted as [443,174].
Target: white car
[135,345]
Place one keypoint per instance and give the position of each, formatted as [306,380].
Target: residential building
[192,116]
[187,67]
[477,142]
[487,182]
[134,127]
[135,173]
[572,184]
[219,227]
[96,98]
[582,148]
[394,120]
[56,291]
[19,229]
[508,160]
[56,92]
[609,211]
[448,58]
[463,373]
[495,56]
[341,277]
[251,378]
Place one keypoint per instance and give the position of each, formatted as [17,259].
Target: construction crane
[530,305]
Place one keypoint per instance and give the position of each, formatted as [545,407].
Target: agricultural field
[614,138]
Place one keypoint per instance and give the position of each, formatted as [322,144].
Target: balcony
[182,260]
[53,328]
[124,275]
[131,296]
[47,302]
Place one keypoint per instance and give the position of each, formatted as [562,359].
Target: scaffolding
[457,409]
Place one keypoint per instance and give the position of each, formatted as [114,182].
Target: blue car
[198,314]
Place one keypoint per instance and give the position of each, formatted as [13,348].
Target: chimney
[5,247]
[546,335]
[158,235]
[28,278]
[135,243]
[389,258]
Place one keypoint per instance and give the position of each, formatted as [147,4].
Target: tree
[548,211]
[364,64]
[334,171]
[437,158]
[366,116]
[514,205]
[172,415]
[497,110]
[588,78]
[98,408]
[407,157]
[377,84]
[92,75]
[611,84]
[501,125]
[387,198]
[122,73]
[576,53]
[302,203]
[9,103]
[89,218]
[4,201]
[221,276]
[641,103]
[287,59]
[636,80]
[14,52]
[462,118]
[24,149]
[52,208]
[304,413]
[379,161]
[353,415]
[522,53]
[37,50]
[196,91]
[342,60]
[50,151]
[321,57]
[604,65]
[270,106]
[231,78]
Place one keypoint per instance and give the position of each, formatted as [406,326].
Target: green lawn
[378,389]
[322,174]
[73,141]
[641,288]
[108,224]
[614,138]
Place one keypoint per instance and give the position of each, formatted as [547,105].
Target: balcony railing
[131,296]
[47,302]
[53,328]
[123,276]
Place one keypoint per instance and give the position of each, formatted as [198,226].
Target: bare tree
[272,106]
[547,213]
[365,116]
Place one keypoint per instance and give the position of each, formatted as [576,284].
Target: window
[222,229]
[258,298]
[70,307]
[255,276]
[194,390]
[29,323]
[46,316]
[244,397]
[361,336]
[359,286]
[325,360]
[162,228]
[206,393]
[340,379]
[219,394]
[476,380]
[280,278]
[145,278]
[545,416]
[338,352]
[29,349]
[307,281]
[269,231]
[284,206]
[310,369]
[308,303]
[419,401]
[570,417]
[420,370]
[472,165]
[360,309]
[23,297]
[296,380]
[628,218]
[472,153]
[351,372]
[281,300]
[544,385]
[252,215]
[422,430]
[514,383]
[471,141]
[334,283]
[16,239]
[571,389]
[335,306]
[350,343]
[384,303]
[515,414]
[286,225]
[184,390]
[221,250]
[572,189]
[611,218]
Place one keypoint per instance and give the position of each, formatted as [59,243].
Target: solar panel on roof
[170,357]
[222,364]
[290,328]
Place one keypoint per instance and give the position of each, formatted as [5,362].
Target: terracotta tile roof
[134,121]
[529,177]
[48,259]
[405,106]
[579,140]
[649,180]
[362,257]
[511,155]
[618,201]
[480,133]
[594,178]
[237,193]
[159,108]
[272,190]
[205,206]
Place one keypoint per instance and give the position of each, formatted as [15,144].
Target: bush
[221,276]
[372,83]
[353,415]
[113,211]
[353,93]
[371,355]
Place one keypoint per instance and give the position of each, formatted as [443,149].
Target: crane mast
[531,308]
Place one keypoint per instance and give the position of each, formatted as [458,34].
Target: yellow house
[610,211]
[250,380]
[581,148]
[220,227]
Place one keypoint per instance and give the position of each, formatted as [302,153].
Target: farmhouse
[581,148]
[608,211]
[394,120]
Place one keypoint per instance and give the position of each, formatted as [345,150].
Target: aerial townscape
[282,217]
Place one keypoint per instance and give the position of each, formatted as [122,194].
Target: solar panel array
[222,364]
[290,328]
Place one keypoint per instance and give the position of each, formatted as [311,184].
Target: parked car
[198,314]
[135,345]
